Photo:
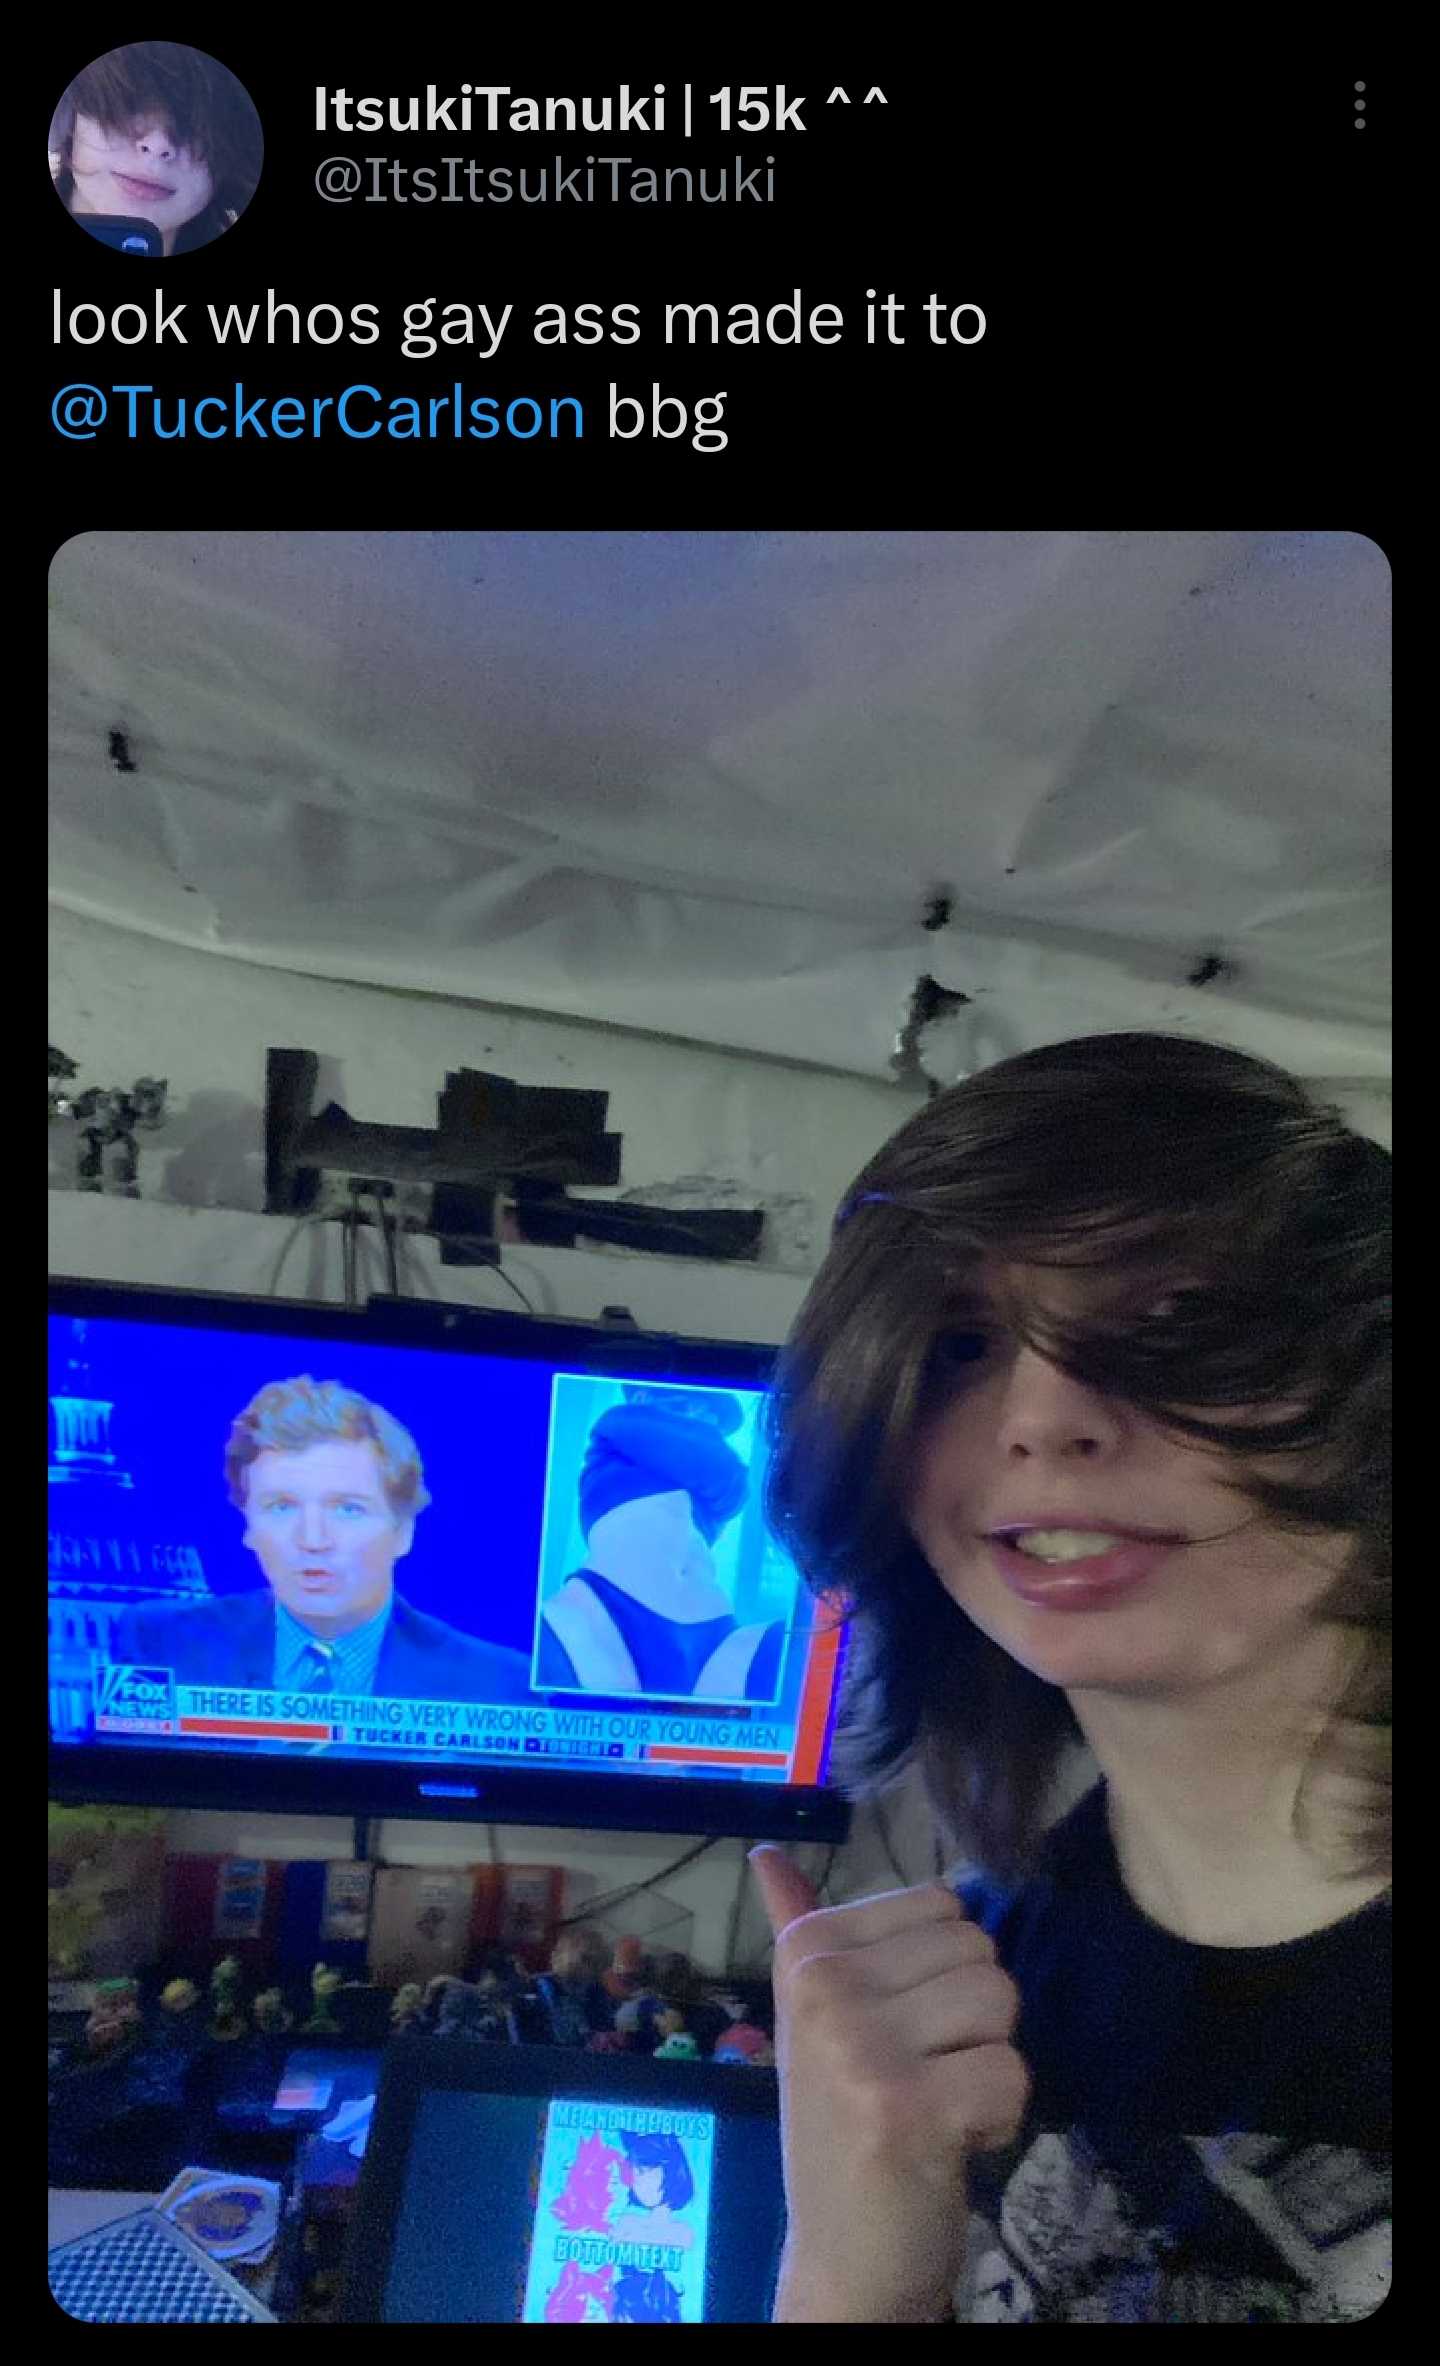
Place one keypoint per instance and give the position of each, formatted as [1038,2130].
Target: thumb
[784,1891]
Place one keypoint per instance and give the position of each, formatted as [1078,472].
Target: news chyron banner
[148,1704]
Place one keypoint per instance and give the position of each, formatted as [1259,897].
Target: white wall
[125,1005]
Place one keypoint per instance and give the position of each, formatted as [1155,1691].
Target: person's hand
[893,2023]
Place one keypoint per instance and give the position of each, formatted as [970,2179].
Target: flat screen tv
[423,1561]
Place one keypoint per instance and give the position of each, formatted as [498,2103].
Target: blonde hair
[288,1415]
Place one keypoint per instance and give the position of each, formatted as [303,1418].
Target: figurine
[322,2021]
[115,2017]
[626,1977]
[639,2017]
[108,1121]
[465,2008]
[226,2022]
[405,2006]
[681,2047]
[272,2019]
[575,2000]
[179,1997]
[674,1977]
[62,1104]
[742,2042]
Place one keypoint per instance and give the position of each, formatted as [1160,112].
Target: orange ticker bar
[250,1729]
[815,1699]
[677,1755]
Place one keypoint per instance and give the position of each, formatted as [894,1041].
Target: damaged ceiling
[749,788]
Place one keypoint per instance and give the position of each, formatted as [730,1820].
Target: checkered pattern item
[143,2271]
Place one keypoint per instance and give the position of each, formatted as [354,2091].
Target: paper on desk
[351,2125]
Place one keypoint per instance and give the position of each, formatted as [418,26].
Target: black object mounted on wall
[495,1139]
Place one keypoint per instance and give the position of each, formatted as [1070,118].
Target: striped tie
[318,1679]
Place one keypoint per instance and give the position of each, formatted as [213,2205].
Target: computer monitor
[424,1561]
[532,2185]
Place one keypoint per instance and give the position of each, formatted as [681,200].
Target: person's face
[648,2186]
[320,1527]
[141,171]
[1017,1441]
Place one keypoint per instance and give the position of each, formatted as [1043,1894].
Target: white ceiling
[702,783]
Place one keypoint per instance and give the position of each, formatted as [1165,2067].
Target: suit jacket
[230,1640]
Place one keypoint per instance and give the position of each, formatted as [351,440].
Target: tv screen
[423,1561]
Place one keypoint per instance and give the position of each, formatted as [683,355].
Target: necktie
[317,1677]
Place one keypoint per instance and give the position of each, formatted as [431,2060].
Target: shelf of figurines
[153,2044]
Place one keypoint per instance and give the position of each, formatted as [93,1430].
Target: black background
[1182,255]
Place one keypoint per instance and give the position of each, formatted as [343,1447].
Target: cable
[622,1897]
[471,1240]
[392,1263]
[291,1238]
[515,1286]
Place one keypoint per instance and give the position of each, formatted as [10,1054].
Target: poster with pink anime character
[622,2216]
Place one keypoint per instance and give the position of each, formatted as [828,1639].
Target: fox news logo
[134,1700]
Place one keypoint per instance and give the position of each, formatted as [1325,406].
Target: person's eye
[957,1349]
[1176,1305]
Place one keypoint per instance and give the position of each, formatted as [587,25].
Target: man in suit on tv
[331,1487]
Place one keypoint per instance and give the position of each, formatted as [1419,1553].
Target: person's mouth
[144,191]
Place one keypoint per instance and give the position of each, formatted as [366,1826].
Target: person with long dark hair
[160,133]
[1085,1423]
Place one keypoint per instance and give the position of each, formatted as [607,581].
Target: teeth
[1064,1544]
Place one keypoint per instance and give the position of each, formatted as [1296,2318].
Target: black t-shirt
[1208,2137]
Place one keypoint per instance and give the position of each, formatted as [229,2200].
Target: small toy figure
[405,2008]
[226,2020]
[610,2041]
[640,2017]
[322,2021]
[626,1977]
[271,2016]
[680,2046]
[742,2042]
[115,2017]
[108,1121]
[452,2007]
[62,1104]
[575,2001]
[178,1998]
[674,1977]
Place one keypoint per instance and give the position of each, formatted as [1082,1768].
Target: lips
[1010,1529]
[151,189]
[1081,1585]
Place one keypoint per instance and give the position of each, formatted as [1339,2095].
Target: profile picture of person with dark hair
[155,148]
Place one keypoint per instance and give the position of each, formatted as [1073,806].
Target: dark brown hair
[202,105]
[1137,1155]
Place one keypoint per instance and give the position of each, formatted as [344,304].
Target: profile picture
[155,149]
